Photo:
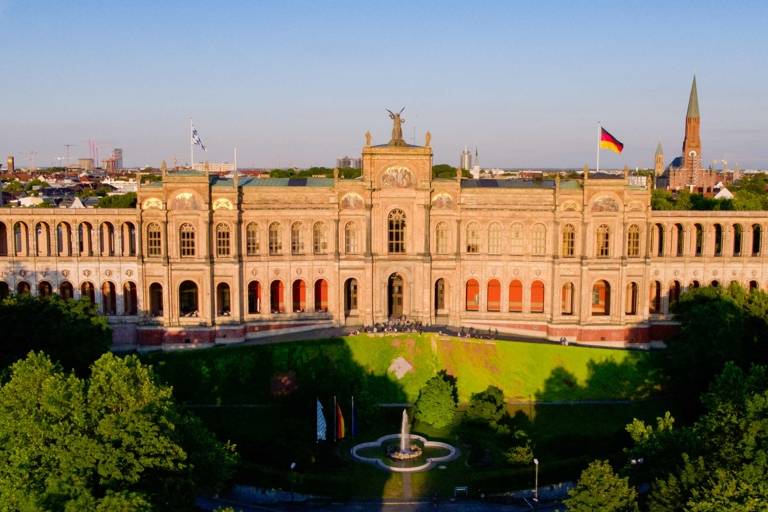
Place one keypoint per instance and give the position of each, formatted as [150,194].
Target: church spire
[659,150]
[693,101]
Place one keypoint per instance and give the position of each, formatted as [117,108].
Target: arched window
[129,239]
[350,238]
[23,288]
[494,295]
[63,239]
[188,299]
[252,239]
[87,291]
[154,240]
[42,239]
[297,238]
[321,295]
[715,284]
[156,299]
[299,296]
[566,299]
[20,239]
[108,298]
[319,239]
[350,296]
[737,236]
[187,242]
[472,295]
[473,238]
[569,241]
[3,240]
[539,239]
[537,297]
[659,232]
[633,241]
[516,239]
[515,297]
[275,239]
[757,239]
[654,305]
[753,286]
[674,293]
[680,235]
[601,298]
[44,289]
[631,299]
[699,242]
[695,284]
[129,299]
[4,290]
[223,300]
[85,239]
[441,238]
[66,290]
[718,240]
[494,238]
[107,239]
[222,240]
[396,231]
[440,295]
[254,298]
[603,239]
[276,297]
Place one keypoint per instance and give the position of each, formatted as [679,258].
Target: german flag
[608,141]
[341,432]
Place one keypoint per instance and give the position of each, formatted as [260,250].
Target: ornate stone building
[204,259]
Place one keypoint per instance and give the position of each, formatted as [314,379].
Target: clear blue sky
[298,83]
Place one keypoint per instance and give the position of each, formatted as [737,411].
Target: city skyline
[299,85]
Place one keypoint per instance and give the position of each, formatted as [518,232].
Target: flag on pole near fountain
[321,426]
[340,431]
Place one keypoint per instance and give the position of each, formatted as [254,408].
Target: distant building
[347,162]
[658,166]
[117,155]
[214,167]
[465,160]
[110,165]
[11,164]
[85,164]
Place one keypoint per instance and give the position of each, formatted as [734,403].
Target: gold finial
[368,138]
[428,139]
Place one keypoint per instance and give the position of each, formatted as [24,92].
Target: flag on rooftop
[196,140]
[608,141]
[321,426]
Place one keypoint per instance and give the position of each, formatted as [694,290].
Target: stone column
[427,229]
[458,238]
[336,238]
[368,230]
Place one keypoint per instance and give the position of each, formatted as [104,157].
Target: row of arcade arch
[108,299]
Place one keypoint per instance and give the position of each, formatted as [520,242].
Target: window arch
[633,241]
[87,291]
[757,233]
[516,239]
[566,299]
[441,238]
[494,238]
[321,295]
[680,235]
[66,290]
[129,239]
[276,297]
[601,298]
[493,299]
[715,284]
[154,240]
[753,285]
[654,305]
[350,296]
[42,239]
[674,293]
[515,297]
[156,299]
[222,240]
[23,288]
[223,300]
[659,239]
[350,238]
[20,239]
[631,299]
[299,296]
[472,296]
[4,290]
[108,298]
[44,289]
[187,241]
[440,295]
[603,241]
[695,284]
[297,238]
[252,239]
[737,239]
[85,239]
[473,238]
[718,240]
[569,241]
[63,239]
[537,297]
[254,298]
[539,240]
[319,238]
[130,306]
[3,240]
[396,231]
[107,239]
[275,239]
[188,298]
[698,233]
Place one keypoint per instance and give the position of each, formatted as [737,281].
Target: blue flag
[196,139]
[321,427]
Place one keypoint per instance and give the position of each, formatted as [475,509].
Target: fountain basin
[422,462]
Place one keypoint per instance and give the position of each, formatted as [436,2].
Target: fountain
[404,452]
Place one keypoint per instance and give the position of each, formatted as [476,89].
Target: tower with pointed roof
[692,141]
[658,165]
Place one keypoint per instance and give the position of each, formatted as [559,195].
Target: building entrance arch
[395,290]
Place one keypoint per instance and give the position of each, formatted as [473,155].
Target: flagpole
[597,167]
[335,420]
[353,415]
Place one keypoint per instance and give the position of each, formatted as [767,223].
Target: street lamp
[536,481]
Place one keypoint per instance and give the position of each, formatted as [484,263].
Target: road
[389,506]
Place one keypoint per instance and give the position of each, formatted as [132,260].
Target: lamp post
[536,481]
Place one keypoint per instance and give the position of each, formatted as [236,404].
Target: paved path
[388,506]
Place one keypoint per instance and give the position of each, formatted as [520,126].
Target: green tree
[487,406]
[599,488]
[127,200]
[437,401]
[114,441]
[71,332]
[662,200]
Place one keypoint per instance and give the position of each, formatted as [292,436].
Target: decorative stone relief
[442,201]
[152,202]
[605,204]
[399,177]
[352,201]
[570,206]
[184,201]
[223,203]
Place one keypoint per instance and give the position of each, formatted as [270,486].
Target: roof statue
[368,138]
[428,139]
[163,168]
[397,128]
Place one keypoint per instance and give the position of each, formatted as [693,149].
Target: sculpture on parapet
[397,128]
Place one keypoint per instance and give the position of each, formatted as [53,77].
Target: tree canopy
[127,200]
[437,400]
[114,441]
[600,488]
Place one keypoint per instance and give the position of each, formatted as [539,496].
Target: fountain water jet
[407,450]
